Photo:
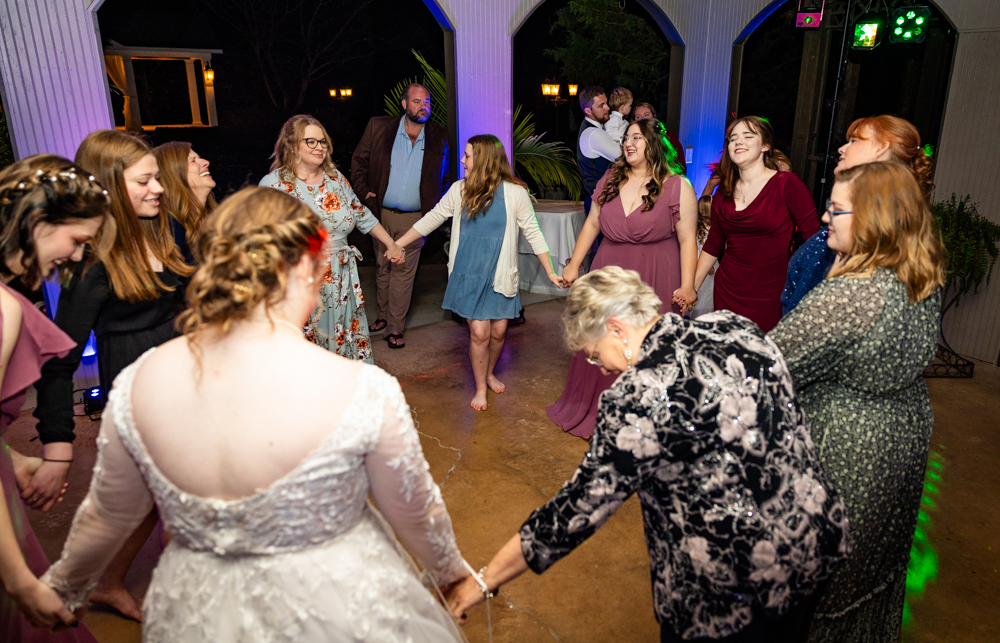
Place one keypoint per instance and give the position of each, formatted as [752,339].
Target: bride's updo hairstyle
[248,245]
[601,294]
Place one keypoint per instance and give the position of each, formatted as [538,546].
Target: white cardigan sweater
[520,214]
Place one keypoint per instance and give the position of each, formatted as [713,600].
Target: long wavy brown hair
[728,170]
[107,154]
[489,170]
[892,228]
[661,159]
[285,157]
[904,145]
[178,199]
[46,188]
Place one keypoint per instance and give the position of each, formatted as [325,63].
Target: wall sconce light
[209,72]
[572,89]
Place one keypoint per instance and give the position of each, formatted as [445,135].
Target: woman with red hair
[869,140]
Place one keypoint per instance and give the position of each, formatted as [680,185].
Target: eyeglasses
[832,212]
[311,143]
[593,361]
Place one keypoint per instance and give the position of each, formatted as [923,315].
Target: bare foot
[118,598]
[24,468]
[479,402]
[495,385]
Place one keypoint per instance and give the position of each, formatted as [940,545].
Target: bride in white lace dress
[260,450]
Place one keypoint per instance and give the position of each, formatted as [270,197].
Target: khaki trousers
[394,283]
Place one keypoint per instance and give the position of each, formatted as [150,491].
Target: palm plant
[549,165]
[435,83]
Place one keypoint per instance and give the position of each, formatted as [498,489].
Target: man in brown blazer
[401,169]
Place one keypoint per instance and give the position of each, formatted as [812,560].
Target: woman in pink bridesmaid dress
[648,213]
[48,210]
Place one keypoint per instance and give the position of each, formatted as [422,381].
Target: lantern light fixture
[573,89]
[209,72]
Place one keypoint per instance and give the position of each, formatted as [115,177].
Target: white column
[483,69]
[55,89]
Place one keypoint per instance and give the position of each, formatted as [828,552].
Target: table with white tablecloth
[560,223]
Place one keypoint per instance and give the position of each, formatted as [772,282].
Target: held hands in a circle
[557,281]
[396,254]
[686,298]
[461,596]
[47,486]
[570,274]
[41,605]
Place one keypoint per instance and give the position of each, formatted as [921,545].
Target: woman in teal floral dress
[856,347]
[302,168]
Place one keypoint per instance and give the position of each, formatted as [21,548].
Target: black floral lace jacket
[737,511]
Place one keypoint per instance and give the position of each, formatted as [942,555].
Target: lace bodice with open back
[305,559]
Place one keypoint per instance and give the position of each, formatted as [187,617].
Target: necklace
[276,321]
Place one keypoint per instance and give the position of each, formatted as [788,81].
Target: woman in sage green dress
[856,347]
[303,168]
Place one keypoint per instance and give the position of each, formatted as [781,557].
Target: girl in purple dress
[49,209]
[648,213]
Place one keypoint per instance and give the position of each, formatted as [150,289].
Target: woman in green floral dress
[302,168]
[856,347]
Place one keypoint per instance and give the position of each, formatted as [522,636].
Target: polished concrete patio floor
[496,467]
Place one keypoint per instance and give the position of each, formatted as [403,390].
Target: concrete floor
[496,467]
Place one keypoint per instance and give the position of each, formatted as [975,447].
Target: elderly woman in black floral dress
[856,347]
[741,524]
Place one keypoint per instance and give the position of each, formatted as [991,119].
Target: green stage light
[910,23]
[868,31]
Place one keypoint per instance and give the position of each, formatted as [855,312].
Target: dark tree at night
[298,43]
[609,46]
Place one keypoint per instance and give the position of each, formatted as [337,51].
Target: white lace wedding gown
[306,560]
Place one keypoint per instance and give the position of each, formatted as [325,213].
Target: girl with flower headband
[303,168]
[130,299]
[49,209]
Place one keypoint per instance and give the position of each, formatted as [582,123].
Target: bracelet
[52,460]
[481,581]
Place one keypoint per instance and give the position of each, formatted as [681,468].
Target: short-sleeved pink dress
[39,341]
[640,241]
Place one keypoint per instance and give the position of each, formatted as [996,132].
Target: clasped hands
[684,297]
[396,254]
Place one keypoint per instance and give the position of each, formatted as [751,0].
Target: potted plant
[970,243]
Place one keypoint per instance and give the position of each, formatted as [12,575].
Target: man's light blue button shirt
[403,191]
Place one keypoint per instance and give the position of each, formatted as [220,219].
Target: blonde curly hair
[602,294]
[248,245]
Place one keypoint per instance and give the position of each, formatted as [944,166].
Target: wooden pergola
[118,62]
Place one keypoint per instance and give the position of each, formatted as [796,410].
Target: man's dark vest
[591,170]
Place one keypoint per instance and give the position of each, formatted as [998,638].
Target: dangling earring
[628,351]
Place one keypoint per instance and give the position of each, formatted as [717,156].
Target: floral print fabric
[857,349]
[737,511]
[339,324]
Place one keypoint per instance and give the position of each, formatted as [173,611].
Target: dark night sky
[249,122]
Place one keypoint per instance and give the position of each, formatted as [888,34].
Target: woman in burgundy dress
[49,209]
[648,213]
[755,212]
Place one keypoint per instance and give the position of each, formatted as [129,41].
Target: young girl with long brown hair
[130,299]
[487,207]
[755,214]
